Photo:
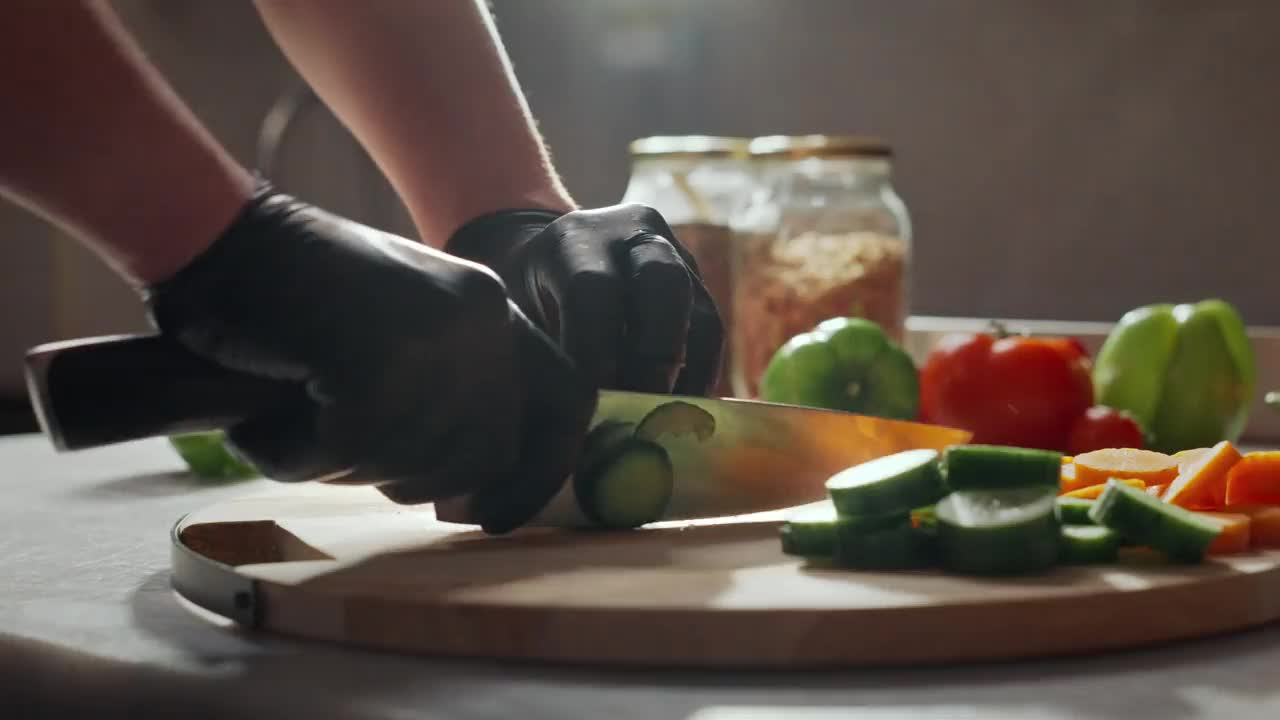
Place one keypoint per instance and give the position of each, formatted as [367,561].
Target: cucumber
[1148,521]
[994,467]
[1074,511]
[1089,544]
[998,532]
[602,440]
[898,547]
[890,485]
[676,418]
[811,531]
[629,487]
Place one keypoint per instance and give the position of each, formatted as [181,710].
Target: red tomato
[1020,391]
[1102,427]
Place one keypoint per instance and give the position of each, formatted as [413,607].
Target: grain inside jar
[825,235]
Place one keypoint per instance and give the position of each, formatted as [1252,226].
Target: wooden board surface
[344,565]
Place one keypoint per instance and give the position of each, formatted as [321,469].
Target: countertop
[89,627]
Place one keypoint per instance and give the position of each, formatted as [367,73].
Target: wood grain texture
[348,567]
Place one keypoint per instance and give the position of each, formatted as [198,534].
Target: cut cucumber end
[676,418]
[602,440]
[1073,511]
[1089,544]
[629,488]
[811,531]
[998,532]
[894,484]
[899,547]
[1148,521]
[994,467]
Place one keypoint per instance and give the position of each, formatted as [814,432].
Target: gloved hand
[613,286]
[420,375]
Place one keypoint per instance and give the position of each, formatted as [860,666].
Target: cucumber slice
[998,532]
[676,418]
[1073,511]
[993,467]
[1146,520]
[628,488]
[1089,544]
[811,531]
[899,547]
[602,440]
[890,485]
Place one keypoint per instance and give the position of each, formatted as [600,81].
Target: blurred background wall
[1061,160]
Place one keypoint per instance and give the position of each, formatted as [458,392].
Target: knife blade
[760,457]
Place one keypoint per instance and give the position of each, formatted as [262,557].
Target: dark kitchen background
[1060,160]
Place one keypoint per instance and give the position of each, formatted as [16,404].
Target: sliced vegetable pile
[997,510]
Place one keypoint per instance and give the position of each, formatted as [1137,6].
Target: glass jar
[823,235]
[696,182]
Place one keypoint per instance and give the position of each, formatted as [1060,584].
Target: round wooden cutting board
[344,565]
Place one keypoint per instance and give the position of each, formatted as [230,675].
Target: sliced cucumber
[602,441]
[629,487]
[811,531]
[1089,544]
[1146,520]
[1074,511]
[998,532]
[898,547]
[889,485]
[993,467]
[676,418]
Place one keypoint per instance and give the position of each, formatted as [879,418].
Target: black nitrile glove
[613,286]
[415,371]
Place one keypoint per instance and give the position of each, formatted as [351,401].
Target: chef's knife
[760,456]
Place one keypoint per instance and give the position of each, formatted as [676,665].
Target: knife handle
[100,391]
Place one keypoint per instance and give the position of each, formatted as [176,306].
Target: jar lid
[803,146]
[689,146]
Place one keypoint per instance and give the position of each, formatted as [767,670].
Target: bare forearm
[96,142]
[428,90]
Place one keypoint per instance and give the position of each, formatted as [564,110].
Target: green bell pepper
[1186,373]
[846,364]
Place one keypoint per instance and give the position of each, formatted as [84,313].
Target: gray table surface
[90,628]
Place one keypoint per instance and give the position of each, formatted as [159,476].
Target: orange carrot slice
[1264,528]
[1092,492]
[1235,535]
[1202,478]
[1094,468]
[1069,480]
[1255,480]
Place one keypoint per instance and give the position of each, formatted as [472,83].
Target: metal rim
[212,585]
